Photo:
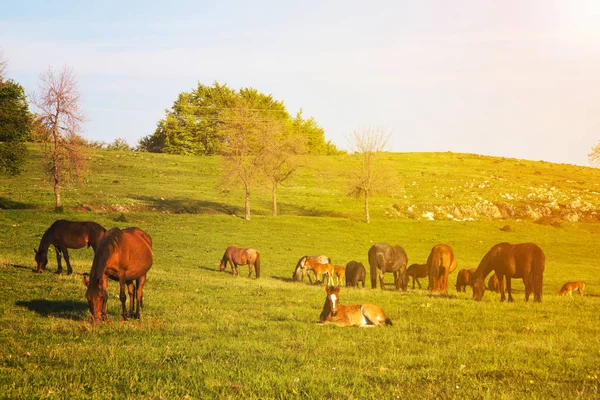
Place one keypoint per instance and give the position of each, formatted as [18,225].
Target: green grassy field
[206,334]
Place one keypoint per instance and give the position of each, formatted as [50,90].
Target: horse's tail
[539,264]
[388,321]
[257,265]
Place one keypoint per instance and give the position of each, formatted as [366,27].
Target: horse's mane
[109,243]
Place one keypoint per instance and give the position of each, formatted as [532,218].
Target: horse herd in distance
[126,256]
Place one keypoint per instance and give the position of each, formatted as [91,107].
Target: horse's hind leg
[528,290]
[66,255]
[57,250]
[139,288]
[123,298]
[250,269]
[509,289]
[132,294]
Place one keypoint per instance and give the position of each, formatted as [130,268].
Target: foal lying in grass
[363,315]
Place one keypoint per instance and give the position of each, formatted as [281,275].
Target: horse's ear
[337,289]
[35,250]
[86,281]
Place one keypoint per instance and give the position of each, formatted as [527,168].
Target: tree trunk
[55,172]
[247,203]
[274,196]
[367,218]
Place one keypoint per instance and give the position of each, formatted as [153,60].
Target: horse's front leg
[381,279]
[123,298]
[502,294]
[509,289]
[131,292]
[66,254]
[57,250]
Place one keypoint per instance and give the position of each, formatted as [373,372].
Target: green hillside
[207,334]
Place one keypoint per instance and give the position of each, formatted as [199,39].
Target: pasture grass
[207,334]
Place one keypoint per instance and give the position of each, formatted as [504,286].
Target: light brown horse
[355,273]
[363,315]
[440,263]
[417,271]
[568,287]
[124,256]
[319,270]
[301,266]
[65,235]
[464,279]
[525,261]
[339,272]
[238,256]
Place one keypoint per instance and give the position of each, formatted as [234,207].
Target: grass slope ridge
[427,186]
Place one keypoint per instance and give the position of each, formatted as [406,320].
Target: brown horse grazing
[464,279]
[238,256]
[301,266]
[494,284]
[124,256]
[440,263]
[363,315]
[388,258]
[339,272]
[319,270]
[64,234]
[525,261]
[355,273]
[570,286]
[417,271]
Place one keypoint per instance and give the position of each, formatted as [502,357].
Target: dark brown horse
[65,235]
[464,279]
[441,263]
[417,271]
[304,262]
[124,256]
[494,284]
[363,315]
[525,261]
[388,258]
[355,273]
[238,256]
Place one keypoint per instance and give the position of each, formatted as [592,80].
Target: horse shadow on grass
[65,309]
[211,269]
[281,278]
[22,267]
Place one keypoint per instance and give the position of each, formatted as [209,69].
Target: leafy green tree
[195,123]
[15,123]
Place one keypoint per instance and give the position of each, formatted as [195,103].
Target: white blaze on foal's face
[333,300]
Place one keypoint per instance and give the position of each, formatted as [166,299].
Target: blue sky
[507,78]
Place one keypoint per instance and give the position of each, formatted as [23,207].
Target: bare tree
[60,119]
[594,156]
[281,158]
[242,128]
[3,65]
[367,178]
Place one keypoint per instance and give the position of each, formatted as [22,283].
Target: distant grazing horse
[388,258]
[301,266]
[339,272]
[417,271]
[124,256]
[464,279]
[525,261]
[64,234]
[319,270]
[355,273]
[570,286]
[238,256]
[494,283]
[363,315]
[440,263]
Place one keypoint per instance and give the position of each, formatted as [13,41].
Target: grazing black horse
[65,235]
[388,258]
